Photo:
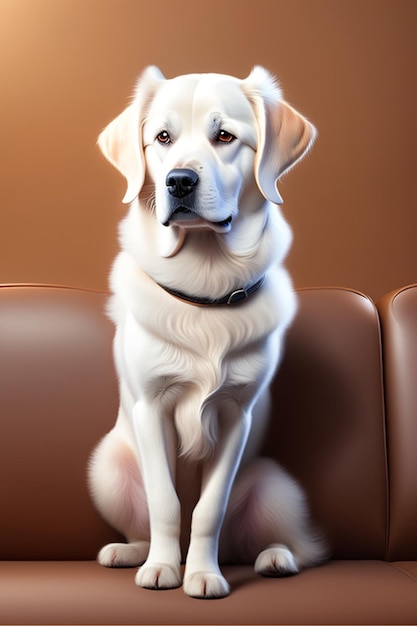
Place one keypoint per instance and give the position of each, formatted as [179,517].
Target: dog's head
[212,146]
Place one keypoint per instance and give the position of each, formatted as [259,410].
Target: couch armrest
[398,314]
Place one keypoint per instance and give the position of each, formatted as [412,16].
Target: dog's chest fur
[193,360]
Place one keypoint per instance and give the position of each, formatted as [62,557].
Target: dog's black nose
[181,182]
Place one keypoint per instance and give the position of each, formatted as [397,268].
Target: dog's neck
[233,297]
[208,266]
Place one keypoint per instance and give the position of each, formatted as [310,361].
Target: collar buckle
[237,296]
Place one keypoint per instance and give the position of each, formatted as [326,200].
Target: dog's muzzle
[181,184]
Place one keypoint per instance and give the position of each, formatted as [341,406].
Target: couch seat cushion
[82,592]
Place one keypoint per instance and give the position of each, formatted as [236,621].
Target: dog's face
[211,146]
[200,143]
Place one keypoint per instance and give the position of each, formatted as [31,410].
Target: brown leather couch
[345,423]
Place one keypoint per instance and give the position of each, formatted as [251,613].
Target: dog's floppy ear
[284,136]
[121,140]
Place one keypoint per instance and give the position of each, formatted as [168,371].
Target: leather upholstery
[58,395]
[329,418]
[81,592]
[398,312]
[344,422]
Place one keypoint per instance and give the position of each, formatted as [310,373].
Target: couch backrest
[58,397]
[329,424]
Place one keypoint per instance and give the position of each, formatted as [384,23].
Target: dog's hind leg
[117,490]
[267,522]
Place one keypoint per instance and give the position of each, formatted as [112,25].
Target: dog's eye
[163,137]
[225,137]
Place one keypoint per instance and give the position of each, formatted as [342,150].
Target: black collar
[233,297]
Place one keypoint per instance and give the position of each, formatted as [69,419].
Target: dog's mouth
[186,218]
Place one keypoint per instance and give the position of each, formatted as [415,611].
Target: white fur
[193,379]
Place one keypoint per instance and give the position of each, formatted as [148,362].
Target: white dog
[201,304]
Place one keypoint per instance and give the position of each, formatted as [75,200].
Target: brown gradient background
[67,67]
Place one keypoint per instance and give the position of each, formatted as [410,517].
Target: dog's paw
[206,585]
[158,576]
[123,554]
[277,560]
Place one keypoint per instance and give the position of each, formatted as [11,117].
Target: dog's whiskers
[148,196]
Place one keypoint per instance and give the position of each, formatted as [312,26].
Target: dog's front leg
[203,578]
[156,443]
